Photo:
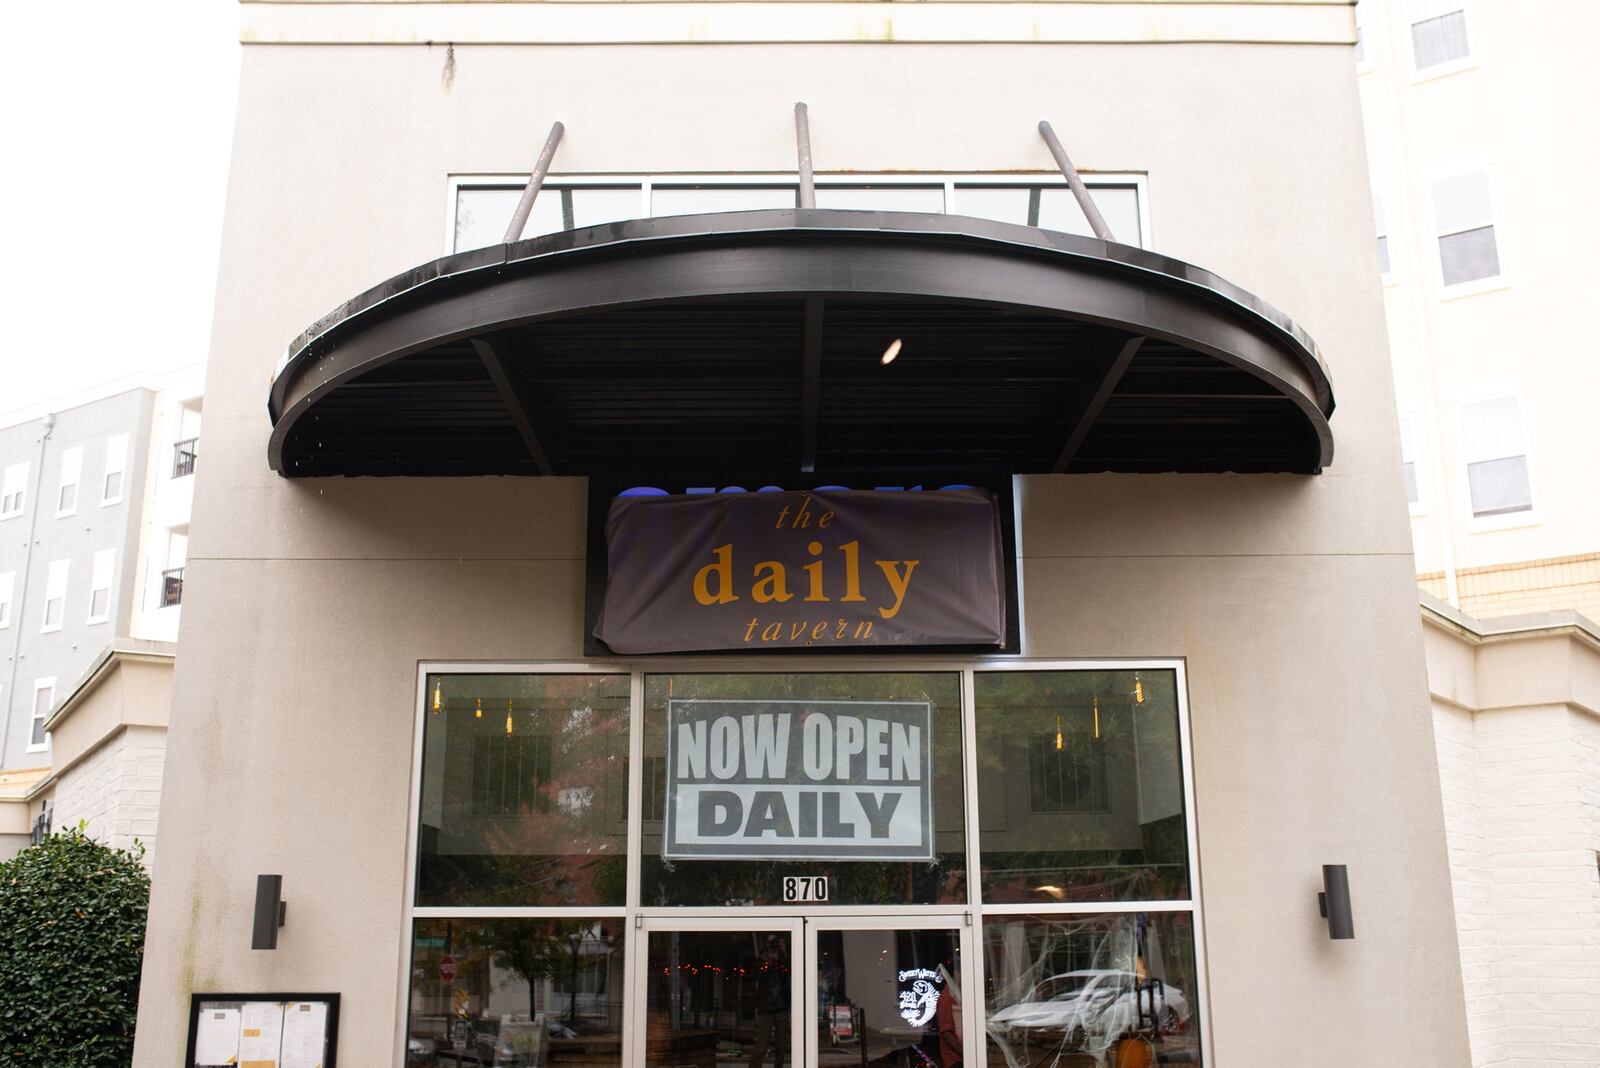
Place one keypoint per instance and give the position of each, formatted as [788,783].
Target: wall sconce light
[270,912]
[1334,901]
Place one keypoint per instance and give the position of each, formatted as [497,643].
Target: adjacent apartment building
[94,523]
[1484,266]
[1484,257]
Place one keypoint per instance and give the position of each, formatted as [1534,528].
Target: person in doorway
[772,1004]
[948,1018]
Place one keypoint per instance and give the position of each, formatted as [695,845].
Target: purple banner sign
[803,570]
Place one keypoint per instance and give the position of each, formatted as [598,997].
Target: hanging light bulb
[1058,733]
[508,717]
[436,697]
[477,713]
[1138,689]
[1097,715]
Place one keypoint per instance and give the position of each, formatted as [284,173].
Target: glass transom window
[482,208]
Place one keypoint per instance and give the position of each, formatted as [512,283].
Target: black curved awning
[751,341]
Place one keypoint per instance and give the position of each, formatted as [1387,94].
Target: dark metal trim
[515,404]
[803,253]
[1096,401]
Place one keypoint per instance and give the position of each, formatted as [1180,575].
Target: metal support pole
[802,138]
[1097,222]
[519,218]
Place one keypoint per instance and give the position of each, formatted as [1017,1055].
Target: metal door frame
[637,966]
[903,918]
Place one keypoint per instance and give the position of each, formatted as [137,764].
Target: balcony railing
[183,457]
[171,587]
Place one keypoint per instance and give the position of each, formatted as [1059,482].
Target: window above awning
[752,341]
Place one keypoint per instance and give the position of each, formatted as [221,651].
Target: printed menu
[262,1034]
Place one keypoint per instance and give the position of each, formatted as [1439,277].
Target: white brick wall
[1521,791]
[117,790]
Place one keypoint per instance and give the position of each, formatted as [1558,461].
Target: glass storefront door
[775,992]
[886,991]
[721,993]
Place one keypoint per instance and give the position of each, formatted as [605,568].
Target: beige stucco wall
[308,604]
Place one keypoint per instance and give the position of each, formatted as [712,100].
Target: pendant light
[436,701]
[508,717]
[477,713]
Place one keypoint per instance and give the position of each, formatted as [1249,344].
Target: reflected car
[1091,1008]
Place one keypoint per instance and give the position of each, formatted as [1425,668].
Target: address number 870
[805,888]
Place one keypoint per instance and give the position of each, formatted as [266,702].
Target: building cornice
[120,651]
[1473,631]
[1511,680]
[709,22]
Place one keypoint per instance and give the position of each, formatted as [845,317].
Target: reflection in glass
[524,790]
[719,998]
[482,214]
[1090,990]
[698,199]
[861,882]
[1469,255]
[929,198]
[889,997]
[1080,786]
[1053,207]
[516,993]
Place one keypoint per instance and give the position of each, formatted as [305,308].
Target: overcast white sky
[118,121]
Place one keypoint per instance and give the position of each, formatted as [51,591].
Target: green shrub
[72,915]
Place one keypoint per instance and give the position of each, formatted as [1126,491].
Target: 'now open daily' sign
[783,779]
